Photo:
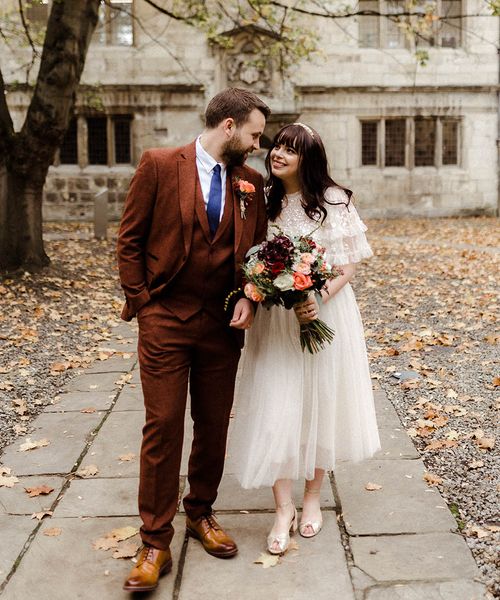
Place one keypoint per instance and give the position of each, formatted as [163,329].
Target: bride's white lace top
[342,233]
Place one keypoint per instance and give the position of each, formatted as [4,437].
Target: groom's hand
[243,314]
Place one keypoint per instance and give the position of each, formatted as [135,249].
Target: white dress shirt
[205,165]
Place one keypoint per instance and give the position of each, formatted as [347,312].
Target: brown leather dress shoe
[213,538]
[151,564]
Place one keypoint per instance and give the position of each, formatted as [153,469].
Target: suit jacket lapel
[238,221]
[187,176]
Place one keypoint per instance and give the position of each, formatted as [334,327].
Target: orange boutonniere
[244,190]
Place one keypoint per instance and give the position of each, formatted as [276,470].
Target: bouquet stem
[314,335]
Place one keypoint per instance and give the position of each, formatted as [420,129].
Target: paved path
[397,543]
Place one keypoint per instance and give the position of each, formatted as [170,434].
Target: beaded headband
[307,128]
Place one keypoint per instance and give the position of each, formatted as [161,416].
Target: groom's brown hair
[234,103]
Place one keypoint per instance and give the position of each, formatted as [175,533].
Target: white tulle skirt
[297,411]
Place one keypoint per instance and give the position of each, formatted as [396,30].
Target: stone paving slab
[99,498]
[405,504]
[16,501]
[130,398]
[387,417]
[67,567]
[15,531]
[77,401]
[443,590]
[97,382]
[233,497]
[117,364]
[120,435]
[67,433]
[136,377]
[316,570]
[427,557]
[395,443]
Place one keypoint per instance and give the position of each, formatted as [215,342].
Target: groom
[184,232]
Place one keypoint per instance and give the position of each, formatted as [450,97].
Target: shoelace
[211,521]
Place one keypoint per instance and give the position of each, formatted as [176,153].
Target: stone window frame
[108,22]
[409,160]
[383,26]
[82,140]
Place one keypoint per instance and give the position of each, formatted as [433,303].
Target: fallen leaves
[42,514]
[432,479]
[86,472]
[127,457]
[53,532]
[267,560]
[372,487]
[29,445]
[112,539]
[6,479]
[41,490]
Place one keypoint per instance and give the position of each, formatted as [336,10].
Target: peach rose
[258,268]
[308,258]
[301,281]
[253,293]
[303,268]
[246,186]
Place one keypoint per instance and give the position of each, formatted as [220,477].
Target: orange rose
[246,186]
[301,281]
[258,268]
[253,293]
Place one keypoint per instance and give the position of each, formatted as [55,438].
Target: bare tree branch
[34,51]
[168,12]
[6,125]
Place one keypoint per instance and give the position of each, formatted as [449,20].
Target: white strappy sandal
[306,526]
[277,543]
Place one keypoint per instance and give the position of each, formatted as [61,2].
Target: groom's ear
[229,126]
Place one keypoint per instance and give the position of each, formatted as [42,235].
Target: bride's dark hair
[313,173]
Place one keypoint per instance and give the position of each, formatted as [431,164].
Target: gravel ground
[429,301]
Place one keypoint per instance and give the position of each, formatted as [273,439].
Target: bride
[298,413]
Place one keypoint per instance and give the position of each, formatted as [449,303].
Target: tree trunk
[25,156]
[21,243]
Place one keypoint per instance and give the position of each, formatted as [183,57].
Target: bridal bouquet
[282,271]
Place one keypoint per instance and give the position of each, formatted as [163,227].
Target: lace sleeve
[343,232]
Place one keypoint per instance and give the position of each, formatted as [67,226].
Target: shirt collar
[206,161]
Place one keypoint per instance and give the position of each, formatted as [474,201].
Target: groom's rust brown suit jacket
[176,278]
[156,230]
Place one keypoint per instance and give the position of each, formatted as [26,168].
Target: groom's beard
[233,154]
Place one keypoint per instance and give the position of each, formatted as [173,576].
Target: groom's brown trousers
[184,337]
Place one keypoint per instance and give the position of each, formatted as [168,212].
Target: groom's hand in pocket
[243,314]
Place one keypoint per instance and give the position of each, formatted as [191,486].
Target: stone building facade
[408,139]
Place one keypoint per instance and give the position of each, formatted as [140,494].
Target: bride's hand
[306,311]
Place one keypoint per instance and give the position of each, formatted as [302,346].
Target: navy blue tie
[214,200]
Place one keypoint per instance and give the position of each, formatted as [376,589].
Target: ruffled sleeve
[343,232]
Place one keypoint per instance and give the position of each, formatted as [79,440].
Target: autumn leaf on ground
[485,443]
[127,457]
[40,515]
[89,410]
[123,379]
[8,481]
[267,560]
[476,464]
[29,445]
[19,429]
[128,550]
[41,490]
[20,405]
[123,533]
[53,532]
[432,479]
[105,543]
[372,487]
[111,539]
[479,532]
[496,381]
[89,471]
[451,393]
